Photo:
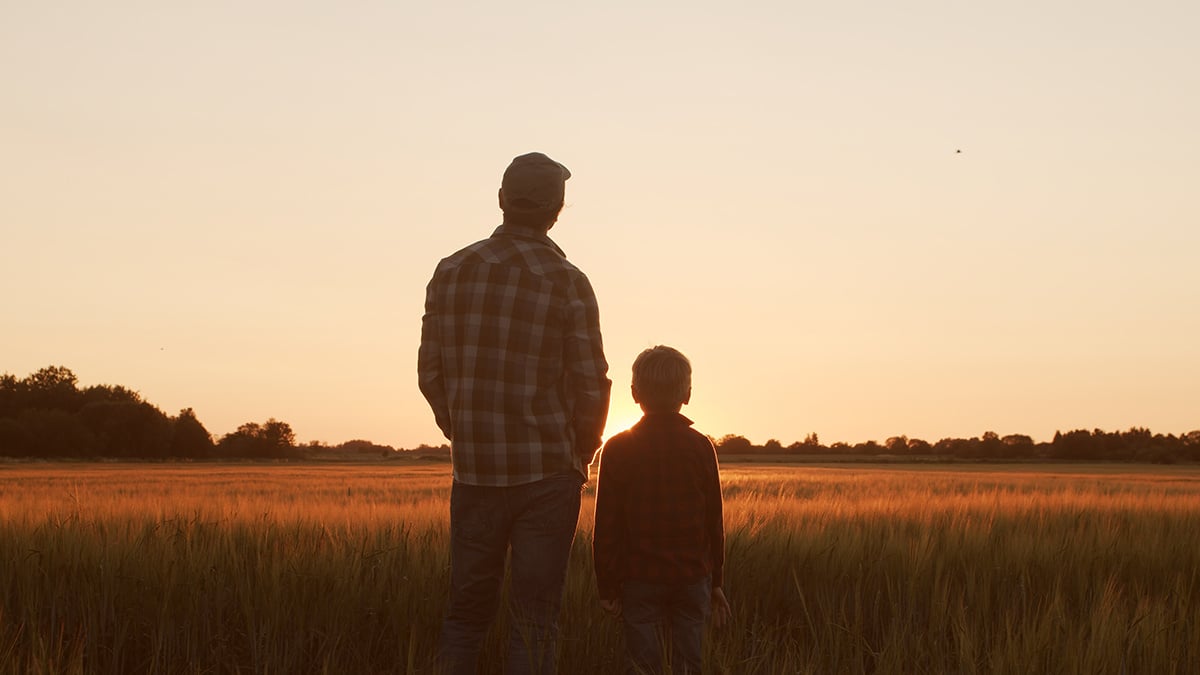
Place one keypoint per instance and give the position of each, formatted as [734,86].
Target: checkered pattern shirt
[658,507]
[511,360]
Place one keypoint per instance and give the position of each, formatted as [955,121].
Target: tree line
[1135,445]
[47,415]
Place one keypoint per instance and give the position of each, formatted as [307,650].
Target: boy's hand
[612,607]
[721,612]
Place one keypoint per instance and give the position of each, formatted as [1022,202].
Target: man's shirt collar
[528,234]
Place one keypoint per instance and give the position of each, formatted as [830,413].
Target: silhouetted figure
[512,365]
[659,541]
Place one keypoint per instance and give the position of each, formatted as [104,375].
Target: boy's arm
[715,520]
[607,536]
[721,612]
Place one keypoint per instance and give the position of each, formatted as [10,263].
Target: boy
[659,541]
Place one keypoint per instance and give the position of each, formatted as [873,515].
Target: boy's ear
[633,390]
[688,397]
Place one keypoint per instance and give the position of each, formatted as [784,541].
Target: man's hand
[721,612]
[613,607]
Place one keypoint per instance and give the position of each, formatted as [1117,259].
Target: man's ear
[633,390]
[688,397]
[500,198]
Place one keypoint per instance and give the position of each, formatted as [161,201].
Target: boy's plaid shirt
[658,507]
[511,360]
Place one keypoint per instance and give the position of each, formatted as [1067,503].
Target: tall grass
[343,569]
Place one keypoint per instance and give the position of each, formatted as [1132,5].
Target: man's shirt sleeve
[586,368]
[430,377]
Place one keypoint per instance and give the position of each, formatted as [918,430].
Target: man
[512,364]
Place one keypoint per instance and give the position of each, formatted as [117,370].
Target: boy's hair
[662,378]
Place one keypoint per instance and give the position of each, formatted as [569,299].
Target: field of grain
[207,568]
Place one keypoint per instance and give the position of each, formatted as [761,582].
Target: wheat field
[342,568]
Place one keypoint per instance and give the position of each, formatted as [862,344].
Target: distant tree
[897,445]
[273,439]
[1102,445]
[1139,442]
[1075,444]
[954,447]
[733,445]
[917,446]
[809,446]
[1018,445]
[189,438]
[1018,441]
[241,443]
[990,446]
[279,434]
[104,393]
[1162,450]
[56,433]
[127,429]
[11,390]
[868,448]
[361,447]
[15,439]
[1190,446]
[773,446]
[52,388]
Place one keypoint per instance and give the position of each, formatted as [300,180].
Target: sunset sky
[235,206]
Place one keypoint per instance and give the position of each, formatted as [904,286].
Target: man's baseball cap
[534,182]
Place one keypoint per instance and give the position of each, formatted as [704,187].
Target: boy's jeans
[656,615]
[538,521]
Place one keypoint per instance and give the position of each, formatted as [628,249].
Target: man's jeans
[538,522]
[661,617]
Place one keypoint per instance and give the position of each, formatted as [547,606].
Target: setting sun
[621,418]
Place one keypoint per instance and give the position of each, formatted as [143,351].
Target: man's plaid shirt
[511,360]
[658,507]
